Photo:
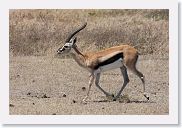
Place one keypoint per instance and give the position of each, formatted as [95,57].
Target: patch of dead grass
[41,32]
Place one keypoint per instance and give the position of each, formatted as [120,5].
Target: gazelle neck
[78,57]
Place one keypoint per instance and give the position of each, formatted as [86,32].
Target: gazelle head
[70,42]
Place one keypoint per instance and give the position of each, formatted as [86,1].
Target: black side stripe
[110,60]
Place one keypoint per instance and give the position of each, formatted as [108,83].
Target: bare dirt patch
[47,86]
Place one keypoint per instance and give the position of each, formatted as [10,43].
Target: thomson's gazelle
[123,57]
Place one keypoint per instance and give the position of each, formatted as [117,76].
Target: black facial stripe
[110,60]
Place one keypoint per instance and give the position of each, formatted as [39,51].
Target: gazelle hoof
[112,95]
[147,97]
[114,99]
[84,101]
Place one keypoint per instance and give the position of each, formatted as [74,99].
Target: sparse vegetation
[41,32]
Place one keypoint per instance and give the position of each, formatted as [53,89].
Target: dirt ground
[53,86]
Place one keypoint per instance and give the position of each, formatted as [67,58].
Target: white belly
[116,64]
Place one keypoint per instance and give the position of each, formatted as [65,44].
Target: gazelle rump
[123,57]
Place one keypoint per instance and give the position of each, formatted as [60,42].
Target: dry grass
[41,32]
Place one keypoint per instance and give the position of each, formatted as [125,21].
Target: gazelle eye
[66,46]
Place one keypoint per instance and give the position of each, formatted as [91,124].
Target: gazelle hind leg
[126,81]
[142,78]
[99,87]
[130,63]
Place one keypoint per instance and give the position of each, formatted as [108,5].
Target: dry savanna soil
[42,85]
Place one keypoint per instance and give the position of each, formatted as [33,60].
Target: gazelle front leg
[97,85]
[90,84]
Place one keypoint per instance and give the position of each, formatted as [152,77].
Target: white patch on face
[68,44]
[114,65]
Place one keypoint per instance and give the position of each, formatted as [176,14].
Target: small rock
[33,103]
[74,101]
[154,93]
[11,105]
[18,75]
[33,81]
[28,93]
[103,108]
[44,96]
[54,114]
[120,101]
[83,88]
[128,101]
[64,95]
